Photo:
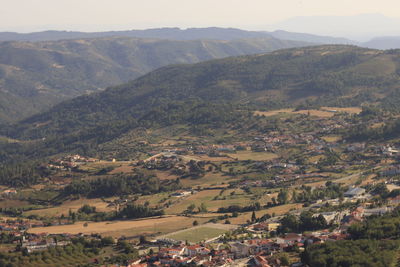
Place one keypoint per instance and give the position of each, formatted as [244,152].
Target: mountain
[212,33]
[389,42]
[306,37]
[213,93]
[359,27]
[230,34]
[176,34]
[35,76]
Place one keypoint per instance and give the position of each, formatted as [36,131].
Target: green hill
[218,92]
[35,76]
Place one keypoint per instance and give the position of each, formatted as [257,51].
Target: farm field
[249,155]
[209,179]
[200,233]
[323,112]
[331,138]
[159,225]
[207,197]
[350,110]
[10,203]
[279,210]
[71,206]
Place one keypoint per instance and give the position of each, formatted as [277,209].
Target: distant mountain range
[388,42]
[37,75]
[214,33]
[38,70]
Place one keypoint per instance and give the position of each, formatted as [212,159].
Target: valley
[208,188]
[275,157]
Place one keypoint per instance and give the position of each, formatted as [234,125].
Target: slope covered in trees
[217,93]
[35,76]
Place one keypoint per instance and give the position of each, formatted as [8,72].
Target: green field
[197,234]
[250,155]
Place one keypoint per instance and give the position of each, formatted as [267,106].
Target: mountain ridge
[317,75]
[34,76]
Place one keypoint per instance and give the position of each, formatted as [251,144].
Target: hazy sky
[97,15]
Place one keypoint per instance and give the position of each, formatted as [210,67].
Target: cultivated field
[200,233]
[250,155]
[10,203]
[350,110]
[324,112]
[159,225]
[207,197]
[279,210]
[209,179]
[71,205]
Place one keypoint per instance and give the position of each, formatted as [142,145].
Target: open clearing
[11,203]
[249,155]
[201,233]
[278,210]
[71,205]
[159,225]
[209,179]
[324,112]
[351,110]
[207,197]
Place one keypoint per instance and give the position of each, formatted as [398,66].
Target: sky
[100,15]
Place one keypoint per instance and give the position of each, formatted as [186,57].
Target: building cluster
[255,251]
[69,162]
[33,243]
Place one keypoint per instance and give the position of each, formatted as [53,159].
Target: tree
[142,239]
[283,196]
[195,223]
[253,216]
[87,209]
[203,207]
[191,208]
[106,241]
[284,258]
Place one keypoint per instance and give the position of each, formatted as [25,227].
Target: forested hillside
[220,92]
[35,76]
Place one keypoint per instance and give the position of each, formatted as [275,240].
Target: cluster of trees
[306,222]
[132,211]
[384,227]
[330,191]
[79,251]
[121,185]
[237,208]
[21,174]
[364,132]
[375,242]
[191,209]
[366,253]
[7,238]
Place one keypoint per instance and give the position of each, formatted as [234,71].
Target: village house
[9,192]
[195,250]
[261,261]
[240,250]
[289,239]
[354,192]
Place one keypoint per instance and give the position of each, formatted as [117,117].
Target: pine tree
[253,216]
